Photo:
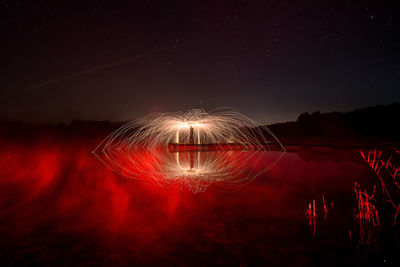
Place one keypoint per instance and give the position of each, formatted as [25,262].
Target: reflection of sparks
[194,148]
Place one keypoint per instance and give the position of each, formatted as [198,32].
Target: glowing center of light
[194,148]
[189,125]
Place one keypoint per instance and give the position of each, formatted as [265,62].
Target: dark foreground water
[59,205]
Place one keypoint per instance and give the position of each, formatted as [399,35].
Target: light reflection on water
[59,203]
[194,170]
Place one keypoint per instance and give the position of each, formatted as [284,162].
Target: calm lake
[60,205]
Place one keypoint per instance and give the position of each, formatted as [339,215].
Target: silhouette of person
[191,136]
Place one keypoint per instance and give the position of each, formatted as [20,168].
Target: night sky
[271,60]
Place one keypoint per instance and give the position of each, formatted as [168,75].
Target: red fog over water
[59,204]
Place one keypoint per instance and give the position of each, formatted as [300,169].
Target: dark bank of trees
[372,125]
[24,131]
[368,126]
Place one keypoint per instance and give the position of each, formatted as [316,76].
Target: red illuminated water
[60,205]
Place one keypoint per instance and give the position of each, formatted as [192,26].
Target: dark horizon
[360,128]
[296,118]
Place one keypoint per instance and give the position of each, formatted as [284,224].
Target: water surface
[60,205]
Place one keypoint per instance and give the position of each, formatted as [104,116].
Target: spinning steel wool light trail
[194,149]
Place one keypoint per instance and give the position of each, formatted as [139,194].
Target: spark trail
[194,149]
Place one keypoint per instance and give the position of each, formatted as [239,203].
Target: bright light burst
[194,149]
